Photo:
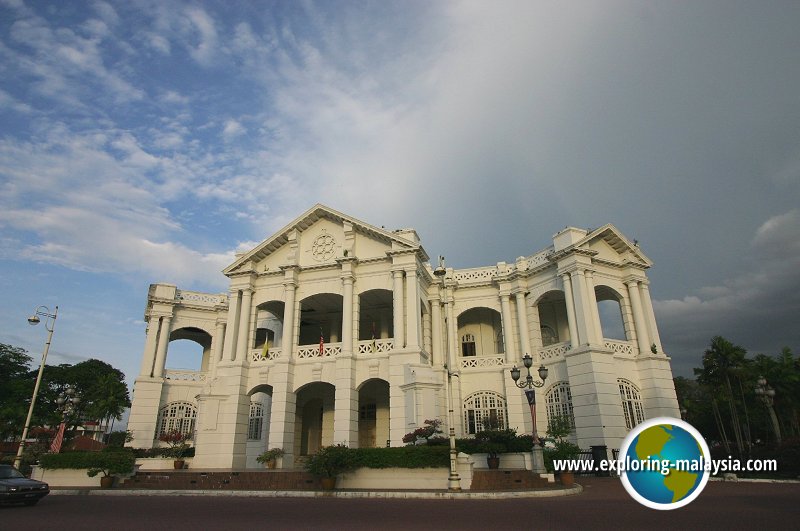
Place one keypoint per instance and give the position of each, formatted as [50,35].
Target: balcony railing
[555,351]
[619,347]
[377,346]
[257,355]
[312,351]
[180,375]
[479,362]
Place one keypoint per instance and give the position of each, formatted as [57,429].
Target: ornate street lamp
[453,480]
[66,402]
[49,324]
[529,384]
[766,394]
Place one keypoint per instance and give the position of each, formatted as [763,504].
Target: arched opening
[376,321]
[558,400]
[611,316]
[321,318]
[632,406]
[480,332]
[553,323]
[177,416]
[269,326]
[189,349]
[314,417]
[259,416]
[373,413]
[485,410]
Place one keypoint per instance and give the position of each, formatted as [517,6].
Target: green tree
[15,391]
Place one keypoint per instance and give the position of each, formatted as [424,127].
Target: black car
[16,488]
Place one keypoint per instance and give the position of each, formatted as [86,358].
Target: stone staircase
[493,480]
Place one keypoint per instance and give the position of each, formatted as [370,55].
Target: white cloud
[232,129]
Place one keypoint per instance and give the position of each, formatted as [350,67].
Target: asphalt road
[603,505]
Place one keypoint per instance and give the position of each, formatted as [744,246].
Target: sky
[148,141]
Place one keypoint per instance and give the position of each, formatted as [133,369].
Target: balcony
[181,375]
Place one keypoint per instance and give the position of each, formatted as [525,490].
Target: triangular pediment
[328,235]
[611,244]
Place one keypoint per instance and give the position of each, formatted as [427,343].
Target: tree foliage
[101,388]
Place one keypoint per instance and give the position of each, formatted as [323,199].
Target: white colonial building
[389,329]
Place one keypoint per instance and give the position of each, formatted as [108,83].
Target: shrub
[270,455]
[424,456]
[331,461]
[159,452]
[177,443]
[108,463]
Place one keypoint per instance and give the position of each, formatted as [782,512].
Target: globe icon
[664,463]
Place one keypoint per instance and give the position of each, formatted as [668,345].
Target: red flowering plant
[431,427]
[176,441]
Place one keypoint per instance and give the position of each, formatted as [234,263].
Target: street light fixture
[529,384]
[453,481]
[49,324]
[766,394]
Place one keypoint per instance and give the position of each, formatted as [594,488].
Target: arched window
[485,410]
[467,345]
[559,403]
[631,403]
[549,335]
[177,416]
[256,424]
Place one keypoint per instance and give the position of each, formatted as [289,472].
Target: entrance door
[366,426]
[311,440]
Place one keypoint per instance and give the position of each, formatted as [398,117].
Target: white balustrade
[554,351]
[377,346]
[257,355]
[312,351]
[181,375]
[482,361]
[203,299]
[619,347]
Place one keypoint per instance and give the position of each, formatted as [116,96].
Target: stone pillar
[522,324]
[594,310]
[163,341]
[233,320]
[508,330]
[571,319]
[584,321]
[282,416]
[638,317]
[242,343]
[650,316]
[149,357]
[398,309]
[287,335]
[347,314]
[413,313]
[437,360]
[218,343]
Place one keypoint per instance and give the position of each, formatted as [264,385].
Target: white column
[163,341]
[398,309]
[287,335]
[522,323]
[594,310]
[573,328]
[436,331]
[229,350]
[508,331]
[413,314]
[149,357]
[347,314]
[638,317]
[652,327]
[242,342]
[585,324]
[219,338]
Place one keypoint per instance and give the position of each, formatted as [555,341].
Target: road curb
[386,494]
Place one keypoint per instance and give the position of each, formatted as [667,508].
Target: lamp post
[49,324]
[453,480]
[529,385]
[766,394]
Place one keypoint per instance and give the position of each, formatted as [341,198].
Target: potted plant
[494,442]
[270,457]
[559,429]
[177,446]
[329,462]
[110,464]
